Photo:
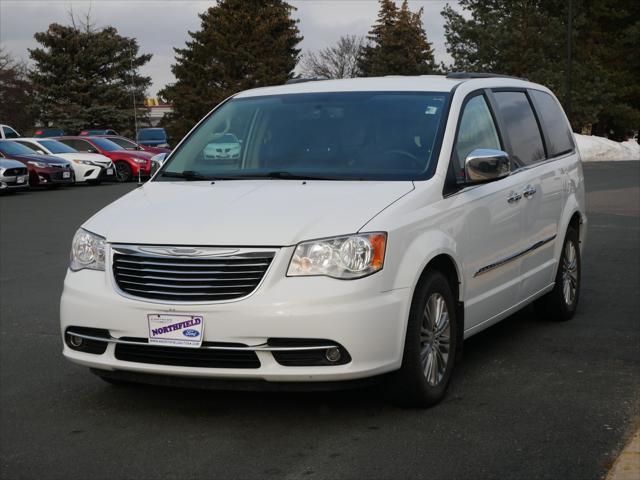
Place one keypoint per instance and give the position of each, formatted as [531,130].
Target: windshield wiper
[192,175]
[186,174]
[286,176]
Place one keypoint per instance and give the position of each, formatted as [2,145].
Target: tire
[419,382]
[560,304]
[123,171]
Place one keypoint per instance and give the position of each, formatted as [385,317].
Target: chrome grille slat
[209,279]
[221,274]
[147,262]
[188,272]
[186,294]
[185,287]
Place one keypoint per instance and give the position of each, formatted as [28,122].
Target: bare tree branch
[337,61]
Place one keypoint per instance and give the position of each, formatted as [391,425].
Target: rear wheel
[430,345]
[123,171]
[561,303]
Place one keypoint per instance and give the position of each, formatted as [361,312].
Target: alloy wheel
[569,272]
[435,337]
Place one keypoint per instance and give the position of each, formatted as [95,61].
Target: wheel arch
[447,266]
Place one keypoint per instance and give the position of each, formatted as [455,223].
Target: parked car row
[153,139]
[54,161]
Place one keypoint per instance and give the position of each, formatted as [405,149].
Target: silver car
[14,176]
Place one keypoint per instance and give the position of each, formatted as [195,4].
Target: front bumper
[51,176]
[369,323]
[14,183]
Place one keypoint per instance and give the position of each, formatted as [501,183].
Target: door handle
[529,191]
[514,197]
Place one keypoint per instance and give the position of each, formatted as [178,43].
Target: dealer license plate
[20,180]
[177,330]
[66,174]
[109,171]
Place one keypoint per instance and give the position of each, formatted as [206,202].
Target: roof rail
[471,75]
[292,81]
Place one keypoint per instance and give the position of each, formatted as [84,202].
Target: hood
[51,159]
[243,212]
[134,154]
[8,163]
[94,157]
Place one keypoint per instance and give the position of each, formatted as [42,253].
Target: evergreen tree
[397,43]
[16,94]
[528,38]
[241,44]
[86,77]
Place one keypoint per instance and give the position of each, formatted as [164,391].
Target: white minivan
[363,230]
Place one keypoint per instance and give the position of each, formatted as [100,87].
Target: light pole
[567,94]
[135,111]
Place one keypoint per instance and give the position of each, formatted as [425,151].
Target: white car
[368,227]
[87,167]
[6,132]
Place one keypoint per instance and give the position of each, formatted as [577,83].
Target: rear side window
[521,127]
[10,132]
[557,132]
[476,130]
[28,145]
[79,145]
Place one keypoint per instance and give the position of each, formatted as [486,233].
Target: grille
[60,176]
[14,172]
[187,357]
[190,279]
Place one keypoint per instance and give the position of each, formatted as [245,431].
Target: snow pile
[598,149]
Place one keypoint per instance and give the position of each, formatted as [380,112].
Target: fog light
[3,185]
[333,354]
[75,341]
[42,179]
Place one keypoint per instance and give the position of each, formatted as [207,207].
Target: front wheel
[430,345]
[561,303]
[123,171]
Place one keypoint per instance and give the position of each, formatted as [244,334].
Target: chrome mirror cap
[485,165]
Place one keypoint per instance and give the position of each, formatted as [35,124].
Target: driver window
[477,130]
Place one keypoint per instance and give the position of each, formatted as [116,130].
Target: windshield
[337,136]
[57,147]
[13,148]
[105,144]
[153,134]
[124,143]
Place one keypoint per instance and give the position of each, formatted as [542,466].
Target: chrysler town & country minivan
[363,230]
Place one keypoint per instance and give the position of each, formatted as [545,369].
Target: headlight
[37,164]
[87,251]
[140,160]
[84,162]
[347,257]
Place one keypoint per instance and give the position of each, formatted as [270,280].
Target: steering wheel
[414,161]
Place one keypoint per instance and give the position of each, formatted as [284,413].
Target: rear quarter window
[521,126]
[558,135]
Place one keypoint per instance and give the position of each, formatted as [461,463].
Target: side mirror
[484,165]
[92,150]
[1,155]
[41,152]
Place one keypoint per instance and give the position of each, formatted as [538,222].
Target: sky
[160,25]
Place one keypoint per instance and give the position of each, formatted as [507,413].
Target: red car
[129,144]
[128,163]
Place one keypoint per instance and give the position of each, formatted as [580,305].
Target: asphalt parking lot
[531,398]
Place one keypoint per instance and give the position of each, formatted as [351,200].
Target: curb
[627,465]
